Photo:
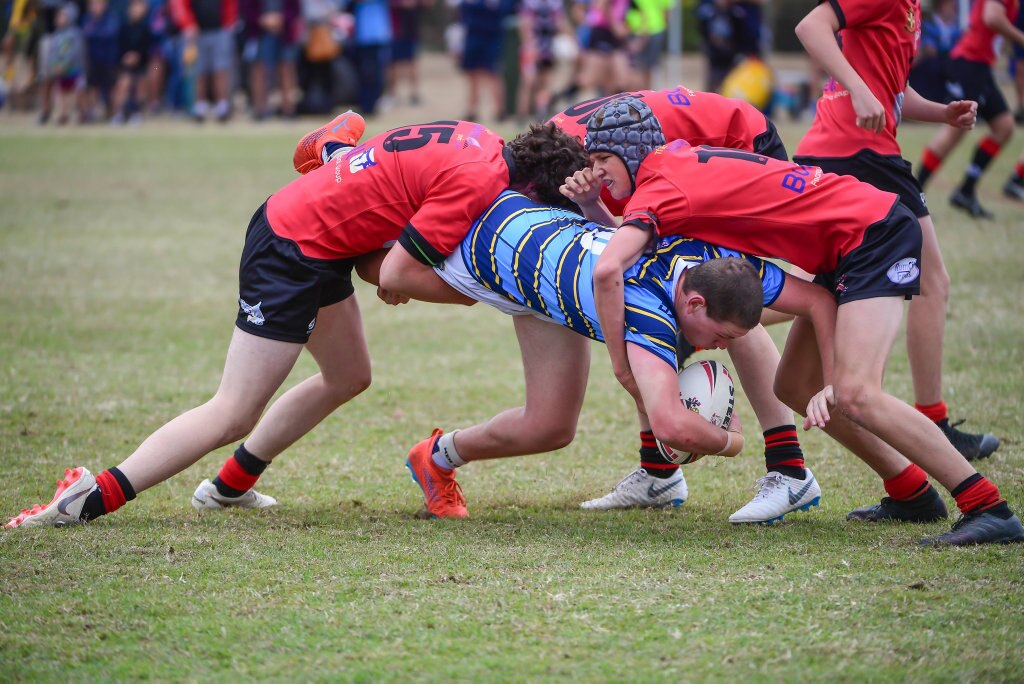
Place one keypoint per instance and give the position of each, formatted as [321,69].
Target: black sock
[651,459]
[94,506]
[248,463]
[782,452]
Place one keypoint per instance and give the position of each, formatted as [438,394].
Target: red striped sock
[113,496]
[930,160]
[910,484]
[934,412]
[782,450]
[651,459]
[1018,171]
[976,493]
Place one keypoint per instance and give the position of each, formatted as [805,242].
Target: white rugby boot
[206,497]
[777,495]
[65,508]
[640,490]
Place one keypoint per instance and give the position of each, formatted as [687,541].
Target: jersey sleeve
[649,323]
[860,12]
[454,201]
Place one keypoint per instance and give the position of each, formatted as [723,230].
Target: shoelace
[767,484]
[635,476]
[451,493]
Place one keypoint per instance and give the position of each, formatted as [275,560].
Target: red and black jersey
[755,204]
[696,117]
[977,44]
[879,39]
[423,185]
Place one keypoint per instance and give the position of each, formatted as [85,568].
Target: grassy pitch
[118,258]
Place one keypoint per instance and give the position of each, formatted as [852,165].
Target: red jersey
[977,44]
[755,204]
[426,183]
[696,117]
[879,39]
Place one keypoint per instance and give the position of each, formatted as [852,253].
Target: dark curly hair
[543,158]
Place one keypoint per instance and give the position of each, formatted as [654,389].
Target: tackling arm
[402,276]
[802,298]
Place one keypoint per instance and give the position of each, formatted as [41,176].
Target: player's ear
[695,302]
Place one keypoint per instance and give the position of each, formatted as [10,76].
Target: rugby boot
[969,203]
[777,495]
[639,489]
[1014,188]
[973,447]
[65,508]
[206,497]
[442,493]
[344,129]
[980,527]
[926,508]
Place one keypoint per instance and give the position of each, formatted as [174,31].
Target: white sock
[446,456]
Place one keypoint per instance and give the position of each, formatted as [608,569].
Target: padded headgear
[627,128]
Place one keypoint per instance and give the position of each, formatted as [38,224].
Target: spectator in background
[939,33]
[373,50]
[406,17]
[136,42]
[481,21]
[605,55]
[272,50]
[66,62]
[648,22]
[539,22]
[46,19]
[716,27]
[161,54]
[1017,72]
[100,27]
[206,27]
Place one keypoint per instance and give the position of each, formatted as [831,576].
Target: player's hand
[817,408]
[735,424]
[392,298]
[962,114]
[582,187]
[870,112]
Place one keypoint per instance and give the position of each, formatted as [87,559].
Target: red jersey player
[709,119]
[421,186]
[854,132]
[697,117]
[865,247]
[970,75]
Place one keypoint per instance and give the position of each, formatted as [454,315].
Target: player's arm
[816,32]
[671,422]
[803,298]
[404,277]
[958,114]
[625,247]
[994,17]
[585,190]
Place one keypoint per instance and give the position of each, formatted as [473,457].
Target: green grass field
[118,275]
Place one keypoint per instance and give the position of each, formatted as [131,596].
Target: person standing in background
[206,27]
[373,50]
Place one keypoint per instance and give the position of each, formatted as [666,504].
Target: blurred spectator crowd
[118,61]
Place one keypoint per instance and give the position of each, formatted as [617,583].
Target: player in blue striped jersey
[536,263]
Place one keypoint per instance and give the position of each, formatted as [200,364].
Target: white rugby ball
[706,388]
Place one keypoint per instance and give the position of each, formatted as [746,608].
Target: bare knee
[236,422]
[791,393]
[855,401]
[353,383]
[553,436]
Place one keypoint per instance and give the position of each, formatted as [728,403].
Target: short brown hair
[731,288]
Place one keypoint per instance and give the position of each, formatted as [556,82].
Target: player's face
[702,331]
[612,173]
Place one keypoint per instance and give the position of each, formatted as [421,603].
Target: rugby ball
[706,388]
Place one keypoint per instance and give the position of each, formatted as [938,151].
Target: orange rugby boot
[443,494]
[65,508]
[345,129]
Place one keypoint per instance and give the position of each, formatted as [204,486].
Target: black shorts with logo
[886,264]
[888,172]
[967,80]
[280,290]
[770,144]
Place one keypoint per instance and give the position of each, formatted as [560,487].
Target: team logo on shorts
[253,313]
[362,160]
[312,324]
[904,271]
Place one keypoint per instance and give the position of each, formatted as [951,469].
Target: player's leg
[339,347]
[926,324]
[788,485]
[1000,132]
[910,496]
[943,142]
[865,332]
[556,362]
[228,416]
[1014,186]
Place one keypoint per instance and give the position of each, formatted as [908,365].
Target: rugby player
[536,263]
[863,244]
[421,186]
